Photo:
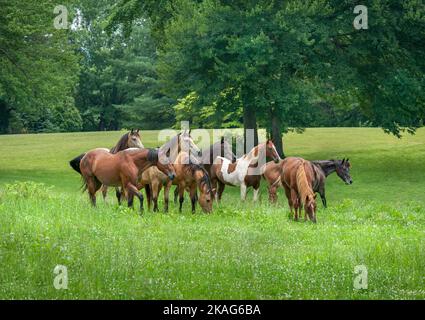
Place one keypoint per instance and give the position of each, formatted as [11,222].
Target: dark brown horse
[297,180]
[122,169]
[323,168]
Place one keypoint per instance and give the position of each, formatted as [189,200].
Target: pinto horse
[297,178]
[122,169]
[241,172]
[189,177]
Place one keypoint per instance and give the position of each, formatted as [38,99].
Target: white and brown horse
[244,172]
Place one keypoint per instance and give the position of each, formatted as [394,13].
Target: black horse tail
[75,163]
[148,195]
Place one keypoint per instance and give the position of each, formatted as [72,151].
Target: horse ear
[132,130]
[138,130]
[343,160]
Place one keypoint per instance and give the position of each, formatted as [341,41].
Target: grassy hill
[242,250]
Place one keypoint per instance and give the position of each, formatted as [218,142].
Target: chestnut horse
[122,169]
[322,169]
[128,140]
[243,172]
[297,180]
[189,177]
[221,148]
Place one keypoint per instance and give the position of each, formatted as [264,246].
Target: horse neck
[327,166]
[199,175]
[140,159]
[251,157]
[121,145]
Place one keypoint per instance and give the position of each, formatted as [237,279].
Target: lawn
[240,251]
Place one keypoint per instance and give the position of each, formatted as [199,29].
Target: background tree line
[281,65]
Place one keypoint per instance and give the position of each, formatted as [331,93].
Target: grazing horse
[122,169]
[242,172]
[322,169]
[189,177]
[297,179]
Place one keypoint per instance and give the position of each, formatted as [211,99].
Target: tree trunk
[249,117]
[276,134]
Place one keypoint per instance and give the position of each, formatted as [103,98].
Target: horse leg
[214,187]
[118,194]
[273,194]
[193,197]
[181,197]
[243,191]
[323,197]
[167,195]
[295,203]
[92,186]
[256,191]
[104,192]
[155,191]
[176,194]
[220,190]
[133,191]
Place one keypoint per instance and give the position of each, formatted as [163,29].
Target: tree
[39,70]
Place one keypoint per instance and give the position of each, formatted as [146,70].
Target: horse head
[342,168]
[271,151]
[310,206]
[185,143]
[133,139]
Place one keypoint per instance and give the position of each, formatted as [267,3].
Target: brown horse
[244,172]
[128,140]
[122,169]
[322,169]
[297,179]
[221,148]
[189,177]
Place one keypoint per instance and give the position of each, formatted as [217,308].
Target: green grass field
[241,251]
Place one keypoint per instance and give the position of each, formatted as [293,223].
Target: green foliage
[38,68]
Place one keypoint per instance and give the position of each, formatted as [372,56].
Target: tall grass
[241,251]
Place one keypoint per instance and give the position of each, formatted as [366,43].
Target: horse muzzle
[171,176]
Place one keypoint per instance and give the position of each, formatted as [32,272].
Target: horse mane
[122,144]
[303,186]
[152,155]
[193,167]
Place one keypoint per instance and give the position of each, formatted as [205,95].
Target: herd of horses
[130,168]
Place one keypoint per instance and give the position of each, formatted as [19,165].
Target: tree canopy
[281,65]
